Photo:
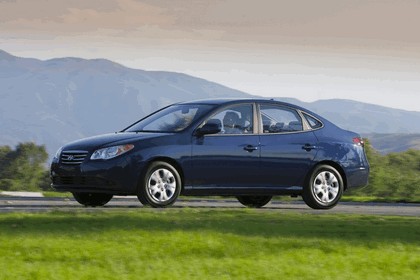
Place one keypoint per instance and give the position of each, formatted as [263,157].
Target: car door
[228,160]
[287,148]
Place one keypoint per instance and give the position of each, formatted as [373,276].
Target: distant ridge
[58,100]
[393,143]
[364,118]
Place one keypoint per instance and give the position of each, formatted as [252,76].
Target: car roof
[227,101]
[230,101]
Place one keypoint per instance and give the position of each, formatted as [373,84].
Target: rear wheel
[92,199]
[254,201]
[324,188]
[161,185]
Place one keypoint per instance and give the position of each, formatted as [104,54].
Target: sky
[364,50]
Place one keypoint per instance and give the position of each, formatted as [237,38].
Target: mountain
[392,143]
[55,101]
[59,100]
[363,117]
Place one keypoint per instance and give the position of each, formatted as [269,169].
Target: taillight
[358,141]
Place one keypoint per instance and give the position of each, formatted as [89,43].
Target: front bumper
[114,176]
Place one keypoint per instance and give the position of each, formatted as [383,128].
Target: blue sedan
[249,148]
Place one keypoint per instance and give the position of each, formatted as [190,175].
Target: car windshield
[174,118]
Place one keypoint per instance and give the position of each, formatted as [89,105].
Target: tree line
[394,176]
[24,168]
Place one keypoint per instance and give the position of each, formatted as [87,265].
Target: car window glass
[235,119]
[314,123]
[174,121]
[277,119]
[171,119]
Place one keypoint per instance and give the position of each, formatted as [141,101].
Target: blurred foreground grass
[207,244]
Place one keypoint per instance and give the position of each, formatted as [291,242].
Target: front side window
[276,119]
[171,119]
[237,119]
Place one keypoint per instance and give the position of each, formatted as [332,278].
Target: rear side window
[277,119]
[314,123]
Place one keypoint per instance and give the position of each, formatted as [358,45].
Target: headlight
[111,152]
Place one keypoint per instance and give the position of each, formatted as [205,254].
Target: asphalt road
[43,204]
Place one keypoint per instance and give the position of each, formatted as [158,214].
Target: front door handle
[250,148]
[308,147]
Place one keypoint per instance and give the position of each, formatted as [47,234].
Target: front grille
[73,157]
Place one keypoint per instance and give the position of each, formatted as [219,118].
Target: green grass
[57,194]
[361,198]
[207,244]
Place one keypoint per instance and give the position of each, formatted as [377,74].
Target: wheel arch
[168,160]
[331,163]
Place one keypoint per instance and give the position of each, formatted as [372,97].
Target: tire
[160,186]
[143,200]
[324,188]
[254,201]
[92,199]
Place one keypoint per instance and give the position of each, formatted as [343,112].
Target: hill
[393,143]
[364,118]
[59,100]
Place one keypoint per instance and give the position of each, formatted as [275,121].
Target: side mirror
[212,126]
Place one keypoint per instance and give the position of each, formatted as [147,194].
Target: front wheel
[161,185]
[254,201]
[92,199]
[324,188]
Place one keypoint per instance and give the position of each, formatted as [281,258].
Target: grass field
[207,244]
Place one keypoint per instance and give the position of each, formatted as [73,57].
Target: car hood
[106,140]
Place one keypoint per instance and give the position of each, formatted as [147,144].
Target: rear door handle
[308,147]
[250,148]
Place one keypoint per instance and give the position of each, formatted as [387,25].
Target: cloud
[263,22]
[346,26]
[60,17]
